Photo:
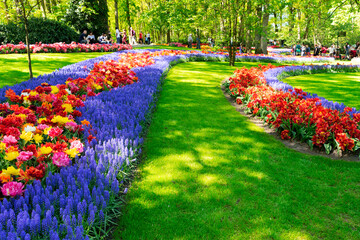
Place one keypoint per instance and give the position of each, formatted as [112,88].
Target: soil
[293,144]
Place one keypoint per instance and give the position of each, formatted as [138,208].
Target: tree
[26,10]
[88,14]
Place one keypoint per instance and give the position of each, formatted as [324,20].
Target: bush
[40,30]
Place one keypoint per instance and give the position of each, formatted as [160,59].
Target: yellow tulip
[45,150]
[27,136]
[72,152]
[2,146]
[11,155]
[38,138]
[11,171]
[54,89]
[68,108]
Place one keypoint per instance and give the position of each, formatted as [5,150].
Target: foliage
[88,15]
[54,31]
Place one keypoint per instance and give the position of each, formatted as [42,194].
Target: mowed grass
[339,87]
[14,67]
[209,173]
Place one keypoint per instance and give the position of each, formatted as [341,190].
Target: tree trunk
[128,13]
[275,23]
[265,23]
[168,35]
[291,19]
[281,20]
[258,30]
[27,37]
[48,5]
[116,14]
[6,11]
[299,26]
[248,32]
[18,9]
[306,32]
[43,8]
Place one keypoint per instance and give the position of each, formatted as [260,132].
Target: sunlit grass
[339,87]
[208,173]
[14,67]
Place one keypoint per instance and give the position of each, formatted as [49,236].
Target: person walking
[124,37]
[148,39]
[303,50]
[198,42]
[132,37]
[347,50]
[141,40]
[190,41]
[118,36]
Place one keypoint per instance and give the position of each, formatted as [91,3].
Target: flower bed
[62,48]
[76,201]
[274,76]
[296,114]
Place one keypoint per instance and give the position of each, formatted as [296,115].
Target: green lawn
[208,173]
[15,66]
[339,87]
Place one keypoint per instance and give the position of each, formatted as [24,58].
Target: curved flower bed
[76,201]
[274,76]
[62,48]
[297,114]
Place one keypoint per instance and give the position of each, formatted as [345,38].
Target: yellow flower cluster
[45,150]
[68,108]
[26,136]
[54,89]
[11,171]
[10,156]
[60,120]
[72,152]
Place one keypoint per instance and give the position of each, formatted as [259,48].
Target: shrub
[40,30]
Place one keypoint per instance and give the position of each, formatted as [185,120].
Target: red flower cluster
[293,115]
[38,132]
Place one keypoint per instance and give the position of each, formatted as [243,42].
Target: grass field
[15,66]
[339,87]
[208,173]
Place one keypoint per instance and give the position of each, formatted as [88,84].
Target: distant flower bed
[297,114]
[62,48]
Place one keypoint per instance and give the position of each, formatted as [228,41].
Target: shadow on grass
[211,174]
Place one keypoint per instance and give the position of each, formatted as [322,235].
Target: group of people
[301,50]
[211,42]
[121,38]
[90,38]
[322,50]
